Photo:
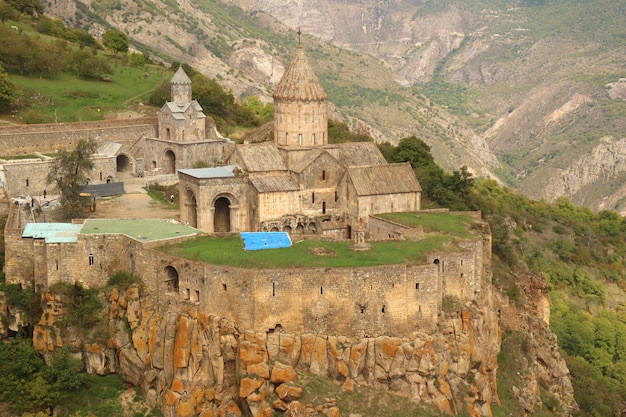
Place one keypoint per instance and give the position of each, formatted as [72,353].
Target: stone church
[297,183]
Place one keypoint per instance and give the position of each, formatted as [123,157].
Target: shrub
[121,279]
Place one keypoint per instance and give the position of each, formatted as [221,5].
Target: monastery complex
[298,183]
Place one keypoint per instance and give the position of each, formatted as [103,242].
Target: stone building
[185,134]
[299,183]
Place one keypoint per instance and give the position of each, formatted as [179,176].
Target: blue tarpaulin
[265,240]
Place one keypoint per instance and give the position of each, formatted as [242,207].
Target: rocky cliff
[190,363]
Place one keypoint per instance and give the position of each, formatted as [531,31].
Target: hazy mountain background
[531,91]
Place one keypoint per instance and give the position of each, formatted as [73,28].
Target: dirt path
[134,204]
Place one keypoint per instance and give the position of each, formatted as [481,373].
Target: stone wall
[164,157]
[24,140]
[29,177]
[192,363]
[381,229]
[365,302]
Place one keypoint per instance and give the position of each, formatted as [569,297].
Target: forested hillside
[581,253]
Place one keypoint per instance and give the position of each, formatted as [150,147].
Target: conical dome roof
[299,82]
[180,77]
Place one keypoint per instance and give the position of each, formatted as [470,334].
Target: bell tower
[300,105]
[180,88]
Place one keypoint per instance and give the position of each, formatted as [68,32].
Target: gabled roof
[260,157]
[273,183]
[360,154]
[108,148]
[204,173]
[180,77]
[307,160]
[299,82]
[178,111]
[384,179]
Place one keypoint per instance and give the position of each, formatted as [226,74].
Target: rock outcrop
[190,363]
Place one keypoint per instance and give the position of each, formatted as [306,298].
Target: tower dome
[300,106]
[180,87]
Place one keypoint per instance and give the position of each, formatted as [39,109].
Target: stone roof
[384,179]
[360,154]
[109,148]
[273,183]
[206,173]
[307,160]
[299,82]
[180,77]
[260,157]
[178,111]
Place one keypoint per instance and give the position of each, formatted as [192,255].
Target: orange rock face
[248,385]
[283,373]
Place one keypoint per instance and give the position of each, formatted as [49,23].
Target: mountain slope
[536,76]
[528,89]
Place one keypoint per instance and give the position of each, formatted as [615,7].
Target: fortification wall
[386,300]
[19,254]
[28,139]
[29,177]
[369,301]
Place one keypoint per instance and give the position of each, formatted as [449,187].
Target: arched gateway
[221,219]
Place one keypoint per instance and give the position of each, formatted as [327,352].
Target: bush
[121,279]
[17,297]
[82,305]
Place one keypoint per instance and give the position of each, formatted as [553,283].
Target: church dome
[180,77]
[299,82]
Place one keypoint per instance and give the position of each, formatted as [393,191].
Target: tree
[68,172]
[87,65]
[7,12]
[8,92]
[115,40]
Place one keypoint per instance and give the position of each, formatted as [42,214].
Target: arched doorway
[170,162]
[192,209]
[123,163]
[221,219]
[171,281]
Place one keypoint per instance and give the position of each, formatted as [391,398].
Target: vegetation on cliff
[583,256]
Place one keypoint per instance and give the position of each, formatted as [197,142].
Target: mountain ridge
[527,81]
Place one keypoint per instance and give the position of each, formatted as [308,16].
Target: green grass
[66,98]
[454,225]
[19,157]
[161,195]
[101,397]
[365,400]
[229,251]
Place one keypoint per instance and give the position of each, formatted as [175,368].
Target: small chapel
[298,183]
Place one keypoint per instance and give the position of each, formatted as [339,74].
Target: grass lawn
[75,99]
[455,225]
[229,251]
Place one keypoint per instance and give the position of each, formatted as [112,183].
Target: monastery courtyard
[134,204]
